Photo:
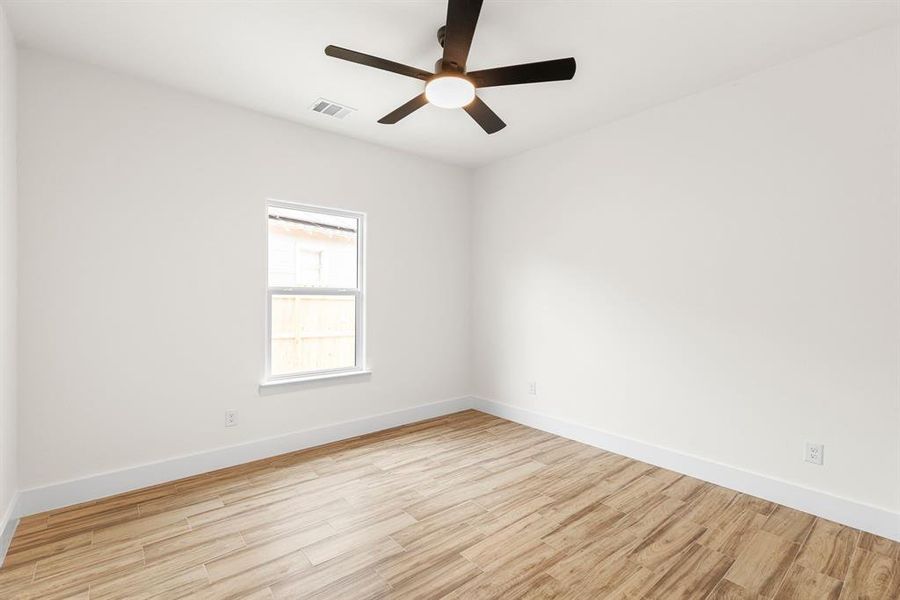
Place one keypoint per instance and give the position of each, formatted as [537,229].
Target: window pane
[309,249]
[312,333]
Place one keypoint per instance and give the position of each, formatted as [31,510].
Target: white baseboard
[861,516]
[8,524]
[67,493]
[841,510]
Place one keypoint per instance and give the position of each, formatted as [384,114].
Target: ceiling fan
[451,86]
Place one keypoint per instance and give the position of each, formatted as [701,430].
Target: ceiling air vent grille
[332,109]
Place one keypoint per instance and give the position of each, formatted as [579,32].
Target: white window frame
[359,292]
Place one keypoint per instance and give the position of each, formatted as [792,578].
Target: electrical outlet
[815,454]
[230,417]
[532,388]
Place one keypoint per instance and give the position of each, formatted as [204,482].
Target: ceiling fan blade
[378,63]
[484,116]
[536,72]
[462,17]
[404,111]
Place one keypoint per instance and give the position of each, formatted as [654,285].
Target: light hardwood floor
[464,506]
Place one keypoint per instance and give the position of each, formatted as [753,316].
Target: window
[316,296]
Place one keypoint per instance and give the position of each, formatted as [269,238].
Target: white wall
[718,276]
[135,335]
[8,459]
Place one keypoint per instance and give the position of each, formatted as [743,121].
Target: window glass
[312,333]
[311,249]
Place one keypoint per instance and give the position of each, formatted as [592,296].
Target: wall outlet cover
[815,453]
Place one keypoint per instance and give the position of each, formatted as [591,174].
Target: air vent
[332,109]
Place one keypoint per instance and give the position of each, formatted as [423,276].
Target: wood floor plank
[77,559]
[96,507]
[496,546]
[576,499]
[282,518]
[790,524]
[318,577]
[879,545]
[579,570]
[686,489]
[15,578]
[398,570]
[253,580]
[263,594]
[664,475]
[627,473]
[727,590]
[763,564]
[542,587]
[710,505]
[806,584]
[521,564]
[49,549]
[361,585]
[339,543]
[467,512]
[828,549]
[693,575]
[613,579]
[582,527]
[169,579]
[666,543]
[438,577]
[79,576]
[733,536]
[32,523]
[653,513]
[465,506]
[41,537]
[736,508]
[634,494]
[250,557]
[870,576]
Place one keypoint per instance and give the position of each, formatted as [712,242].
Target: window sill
[310,378]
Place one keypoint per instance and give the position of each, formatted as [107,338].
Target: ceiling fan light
[450,91]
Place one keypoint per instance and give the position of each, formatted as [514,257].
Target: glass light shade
[450,91]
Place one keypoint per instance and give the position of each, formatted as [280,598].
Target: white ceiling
[268,56]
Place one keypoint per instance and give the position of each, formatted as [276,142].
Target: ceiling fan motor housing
[442,65]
